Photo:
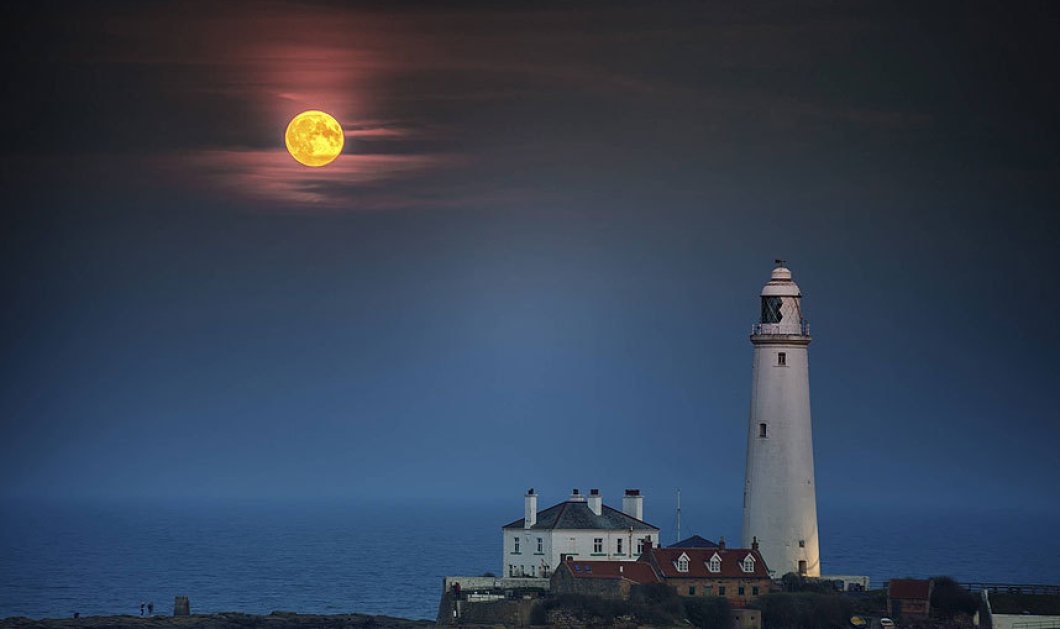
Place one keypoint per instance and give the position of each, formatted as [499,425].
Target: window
[618,546]
[533,571]
[640,546]
[598,545]
[749,564]
[754,590]
[516,551]
[540,545]
[761,430]
[740,590]
[691,590]
[511,570]
[782,359]
[715,563]
[682,563]
[721,590]
[802,543]
[771,309]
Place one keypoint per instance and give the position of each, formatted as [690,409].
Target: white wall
[565,542]
[780,505]
[1020,621]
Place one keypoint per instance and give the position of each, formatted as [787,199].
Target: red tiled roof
[909,589]
[731,562]
[635,571]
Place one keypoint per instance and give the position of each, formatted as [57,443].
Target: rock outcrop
[275,620]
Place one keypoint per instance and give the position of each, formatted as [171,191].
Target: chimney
[576,496]
[646,545]
[754,543]
[530,509]
[633,504]
[596,503]
[721,543]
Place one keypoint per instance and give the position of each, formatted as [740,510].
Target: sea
[108,558]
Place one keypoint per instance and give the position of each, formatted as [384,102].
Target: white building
[580,527]
[779,500]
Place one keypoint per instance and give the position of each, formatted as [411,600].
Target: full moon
[314,138]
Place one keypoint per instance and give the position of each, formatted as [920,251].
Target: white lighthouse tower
[779,499]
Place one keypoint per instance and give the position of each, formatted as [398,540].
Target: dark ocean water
[329,559]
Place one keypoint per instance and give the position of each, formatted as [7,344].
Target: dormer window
[749,564]
[714,565]
[682,563]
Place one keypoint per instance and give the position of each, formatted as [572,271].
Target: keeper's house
[738,574]
[580,528]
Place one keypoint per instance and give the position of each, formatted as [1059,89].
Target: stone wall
[712,587]
[563,582]
[509,612]
[746,619]
[471,584]
[450,610]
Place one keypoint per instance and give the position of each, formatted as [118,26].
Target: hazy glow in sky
[537,261]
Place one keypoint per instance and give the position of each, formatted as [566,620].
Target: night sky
[538,259]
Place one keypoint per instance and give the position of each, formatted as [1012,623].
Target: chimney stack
[530,509]
[576,496]
[633,504]
[754,543]
[721,543]
[596,502]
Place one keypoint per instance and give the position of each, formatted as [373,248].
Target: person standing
[141,608]
[150,608]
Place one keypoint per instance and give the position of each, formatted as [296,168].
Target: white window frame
[714,564]
[748,563]
[682,563]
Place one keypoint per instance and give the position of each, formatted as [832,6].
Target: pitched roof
[636,571]
[694,542]
[909,589]
[576,514]
[665,560]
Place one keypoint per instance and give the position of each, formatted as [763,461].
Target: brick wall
[713,587]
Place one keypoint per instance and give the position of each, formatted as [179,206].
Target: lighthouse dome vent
[780,284]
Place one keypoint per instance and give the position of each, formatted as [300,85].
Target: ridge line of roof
[632,518]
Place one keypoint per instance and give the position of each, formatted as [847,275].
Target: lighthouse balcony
[785,329]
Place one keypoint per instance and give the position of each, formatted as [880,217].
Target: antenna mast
[678,516]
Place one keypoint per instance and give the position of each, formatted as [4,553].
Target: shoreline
[220,620]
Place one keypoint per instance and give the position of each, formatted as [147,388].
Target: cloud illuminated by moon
[356,182]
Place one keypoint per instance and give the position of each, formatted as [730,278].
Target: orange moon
[314,138]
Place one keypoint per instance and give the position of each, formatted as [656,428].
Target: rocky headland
[230,620]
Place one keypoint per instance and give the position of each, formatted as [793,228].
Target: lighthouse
[779,495]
